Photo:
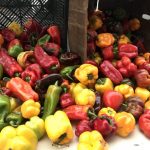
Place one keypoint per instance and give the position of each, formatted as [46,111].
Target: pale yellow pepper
[108,111]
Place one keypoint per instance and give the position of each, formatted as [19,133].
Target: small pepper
[22,89]
[134,24]
[125,90]
[125,123]
[59,134]
[108,111]
[30,108]
[142,93]
[1,40]
[43,40]
[51,99]
[123,39]
[103,84]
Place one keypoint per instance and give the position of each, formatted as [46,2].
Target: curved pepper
[30,108]
[103,84]
[125,123]
[92,141]
[108,111]
[125,90]
[59,134]
[86,74]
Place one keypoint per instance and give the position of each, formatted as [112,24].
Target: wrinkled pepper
[32,73]
[51,99]
[43,40]
[87,74]
[11,67]
[30,108]
[125,123]
[49,63]
[125,90]
[22,89]
[103,84]
[59,134]
[108,111]
[111,72]
[92,141]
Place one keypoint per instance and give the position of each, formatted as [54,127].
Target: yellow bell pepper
[21,138]
[37,125]
[147,105]
[92,141]
[123,39]
[142,93]
[125,90]
[125,123]
[103,84]
[87,74]
[30,108]
[58,128]
[108,111]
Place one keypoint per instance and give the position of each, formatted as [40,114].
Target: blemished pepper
[30,108]
[4,110]
[103,84]
[43,40]
[125,90]
[22,89]
[32,73]
[14,48]
[125,123]
[51,99]
[10,65]
[59,134]
[143,93]
[92,141]
[22,138]
[108,111]
[86,74]
[49,63]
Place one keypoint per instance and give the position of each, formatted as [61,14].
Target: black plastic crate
[47,12]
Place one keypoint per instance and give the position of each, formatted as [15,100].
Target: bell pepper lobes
[98,102]
[147,104]
[128,50]
[22,89]
[82,126]
[43,40]
[92,141]
[21,137]
[142,93]
[125,123]
[51,99]
[108,111]
[15,117]
[59,134]
[144,123]
[4,110]
[111,72]
[24,58]
[125,90]
[8,34]
[86,74]
[134,24]
[52,48]
[30,108]
[103,84]
[1,40]
[37,125]
[108,53]
[11,67]
[133,105]
[49,63]
[32,73]
[105,40]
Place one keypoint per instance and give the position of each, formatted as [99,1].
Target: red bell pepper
[32,73]
[49,63]
[21,89]
[8,35]
[55,34]
[10,65]
[108,53]
[128,50]
[111,72]
[144,123]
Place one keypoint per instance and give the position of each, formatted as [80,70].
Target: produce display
[46,91]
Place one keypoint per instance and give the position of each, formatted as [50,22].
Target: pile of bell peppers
[44,90]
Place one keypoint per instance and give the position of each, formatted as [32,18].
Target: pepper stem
[56,83]
[90,76]
[61,138]
[91,113]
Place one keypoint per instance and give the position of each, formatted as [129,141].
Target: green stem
[61,138]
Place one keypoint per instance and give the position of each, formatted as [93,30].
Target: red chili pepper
[108,53]
[10,65]
[8,35]
[111,72]
[92,62]
[55,34]
[32,73]
[105,125]
[82,126]
[49,63]
[128,50]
